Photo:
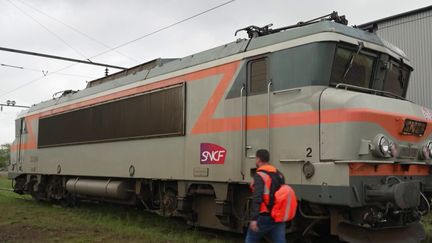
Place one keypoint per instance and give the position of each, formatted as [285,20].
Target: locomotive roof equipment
[255,31]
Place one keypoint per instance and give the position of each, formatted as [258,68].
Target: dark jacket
[258,191]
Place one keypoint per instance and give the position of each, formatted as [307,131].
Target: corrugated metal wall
[413,34]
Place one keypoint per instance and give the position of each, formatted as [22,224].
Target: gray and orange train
[178,136]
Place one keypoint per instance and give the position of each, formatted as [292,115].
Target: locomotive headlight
[430,149]
[383,147]
[427,151]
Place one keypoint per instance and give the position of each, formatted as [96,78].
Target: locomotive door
[257,110]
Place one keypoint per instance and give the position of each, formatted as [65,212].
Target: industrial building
[412,32]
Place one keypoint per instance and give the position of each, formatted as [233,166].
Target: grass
[427,224]
[24,220]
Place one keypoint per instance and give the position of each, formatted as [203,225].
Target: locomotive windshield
[396,80]
[369,70]
[352,68]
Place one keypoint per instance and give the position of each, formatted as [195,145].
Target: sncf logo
[212,154]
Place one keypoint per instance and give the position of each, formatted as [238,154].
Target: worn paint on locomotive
[320,135]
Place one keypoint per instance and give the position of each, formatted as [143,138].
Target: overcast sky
[24,25]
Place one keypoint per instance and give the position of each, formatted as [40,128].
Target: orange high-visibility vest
[267,184]
[266,195]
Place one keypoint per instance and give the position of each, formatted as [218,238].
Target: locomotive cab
[368,126]
[380,136]
[363,159]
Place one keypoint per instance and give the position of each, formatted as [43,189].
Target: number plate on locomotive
[412,127]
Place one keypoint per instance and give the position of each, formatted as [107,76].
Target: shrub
[4,155]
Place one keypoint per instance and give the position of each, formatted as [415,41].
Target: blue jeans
[266,225]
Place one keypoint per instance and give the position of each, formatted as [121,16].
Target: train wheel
[169,203]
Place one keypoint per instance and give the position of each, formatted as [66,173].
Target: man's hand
[253,225]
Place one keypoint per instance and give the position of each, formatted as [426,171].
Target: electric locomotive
[178,136]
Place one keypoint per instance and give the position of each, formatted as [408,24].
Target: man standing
[261,224]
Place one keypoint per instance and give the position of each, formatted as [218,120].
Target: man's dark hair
[263,155]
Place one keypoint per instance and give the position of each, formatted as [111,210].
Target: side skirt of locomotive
[216,205]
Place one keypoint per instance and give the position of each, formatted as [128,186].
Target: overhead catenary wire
[48,30]
[166,27]
[35,80]
[124,44]
[75,29]
[43,71]
[59,57]
[13,106]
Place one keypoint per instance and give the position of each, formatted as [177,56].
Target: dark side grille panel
[408,153]
[153,114]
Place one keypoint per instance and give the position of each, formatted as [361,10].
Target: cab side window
[258,76]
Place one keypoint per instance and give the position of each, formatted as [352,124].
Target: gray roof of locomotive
[163,66]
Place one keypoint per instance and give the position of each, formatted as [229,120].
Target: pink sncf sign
[212,154]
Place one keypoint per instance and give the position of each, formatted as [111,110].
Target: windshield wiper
[355,87]
[349,66]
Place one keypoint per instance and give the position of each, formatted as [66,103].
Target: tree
[4,155]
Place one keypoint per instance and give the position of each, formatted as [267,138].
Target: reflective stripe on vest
[288,209]
[266,195]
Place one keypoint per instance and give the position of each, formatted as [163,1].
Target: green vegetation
[4,155]
[427,223]
[24,220]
